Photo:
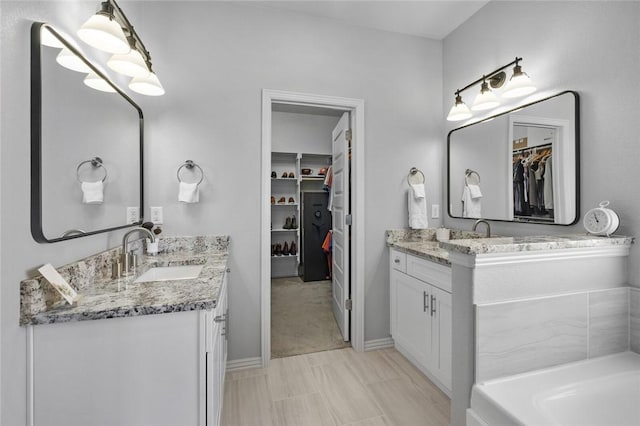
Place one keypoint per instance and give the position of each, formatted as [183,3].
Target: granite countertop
[532,243]
[102,297]
[423,243]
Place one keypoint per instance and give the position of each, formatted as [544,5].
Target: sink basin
[170,273]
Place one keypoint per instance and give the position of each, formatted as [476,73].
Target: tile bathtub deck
[339,387]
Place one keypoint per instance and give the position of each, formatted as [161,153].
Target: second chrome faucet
[486,222]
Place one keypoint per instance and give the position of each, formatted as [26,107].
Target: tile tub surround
[104,297]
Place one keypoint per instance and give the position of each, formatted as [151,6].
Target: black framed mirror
[521,165]
[86,144]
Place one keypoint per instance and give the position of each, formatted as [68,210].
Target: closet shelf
[284,205]
[284,230]
[285,179]
[313,177]
[282,256]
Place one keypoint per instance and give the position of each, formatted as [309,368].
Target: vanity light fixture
[71,61]
[518,85]
[134,60]
[94,81]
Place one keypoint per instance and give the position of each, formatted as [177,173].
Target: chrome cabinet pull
[425,301]
[433,305]
[397,260]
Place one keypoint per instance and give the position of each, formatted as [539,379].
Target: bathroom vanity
[151,352]
[519,304]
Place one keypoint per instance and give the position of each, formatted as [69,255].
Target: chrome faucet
[475,225]
[128,258]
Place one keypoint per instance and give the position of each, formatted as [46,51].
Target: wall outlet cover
[133,214]
[435,211]
[156,215]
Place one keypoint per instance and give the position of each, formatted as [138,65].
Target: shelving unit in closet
[285,214]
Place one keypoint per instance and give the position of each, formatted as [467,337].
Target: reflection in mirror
[86,144]
[521,165]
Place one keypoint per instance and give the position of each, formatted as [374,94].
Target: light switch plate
[435,211]
[133,214]
[156,215]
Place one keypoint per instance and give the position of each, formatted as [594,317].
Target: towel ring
[95,162]
[415,176]
[190,165]
[468,173]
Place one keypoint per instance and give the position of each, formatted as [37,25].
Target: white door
[341,231]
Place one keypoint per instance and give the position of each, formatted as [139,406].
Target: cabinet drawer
[398,260]
[431,272]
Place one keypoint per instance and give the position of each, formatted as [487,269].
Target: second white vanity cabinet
[421,314]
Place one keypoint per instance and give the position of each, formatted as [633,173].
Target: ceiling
[433,19]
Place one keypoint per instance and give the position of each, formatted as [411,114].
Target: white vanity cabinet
[161,369]
[421,314]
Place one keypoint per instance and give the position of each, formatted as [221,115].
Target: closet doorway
[312,265]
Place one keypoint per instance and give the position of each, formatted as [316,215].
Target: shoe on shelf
[273,249]
[278,250]
[285,249]
[273,175]
[287,223]
[293,249]
[292,200]
[282,200]
[284,174]
[294,223]
[273,199]
[291,175]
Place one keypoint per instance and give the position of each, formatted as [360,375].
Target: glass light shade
[130,64]
[48,39]
[105,34]
[485,100]
[94,81]
[69,60]
[459,111]
[149,85]
[519,85]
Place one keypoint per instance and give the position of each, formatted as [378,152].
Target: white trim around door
[356,107]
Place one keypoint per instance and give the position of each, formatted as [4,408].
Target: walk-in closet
[302,320]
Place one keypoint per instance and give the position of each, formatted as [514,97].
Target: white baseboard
[244,364]
[372,345]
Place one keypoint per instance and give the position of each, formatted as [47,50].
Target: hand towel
[418,190]
[417,211]
[188,193]
[471,207]
[474,191]
[92,192]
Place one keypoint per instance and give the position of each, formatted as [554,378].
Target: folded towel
[474,191]
[188,193]
[418,190]
[471,207]
[417,212]
[92,192]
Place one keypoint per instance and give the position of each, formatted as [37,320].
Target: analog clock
[601,220]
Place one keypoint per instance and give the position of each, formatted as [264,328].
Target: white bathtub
[602,391]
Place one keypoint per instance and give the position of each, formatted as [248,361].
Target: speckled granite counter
[423,243]
[532,243]
[103,297]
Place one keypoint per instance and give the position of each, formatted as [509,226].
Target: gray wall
[214,59]
[307,133]
[590,47]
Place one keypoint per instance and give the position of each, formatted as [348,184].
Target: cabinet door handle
[433,305]
[220,318]
[425,301]
[397,260]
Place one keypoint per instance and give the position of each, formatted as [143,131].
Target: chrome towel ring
[469,174]
[95,162]
[415,177]
[190,165]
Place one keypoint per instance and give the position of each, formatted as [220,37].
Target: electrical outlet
[156,215]
[435,211]
[133,214]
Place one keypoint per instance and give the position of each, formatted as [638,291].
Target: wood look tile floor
[334,388]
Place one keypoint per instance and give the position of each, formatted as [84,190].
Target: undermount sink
[170,273]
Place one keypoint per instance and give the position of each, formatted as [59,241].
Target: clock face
[597,221]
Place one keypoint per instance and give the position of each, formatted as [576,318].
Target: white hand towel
[418,190]
[92,192]
[417,211]
[474,191]
[471,207]
[189,193]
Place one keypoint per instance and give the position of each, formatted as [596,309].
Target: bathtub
[602,391]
